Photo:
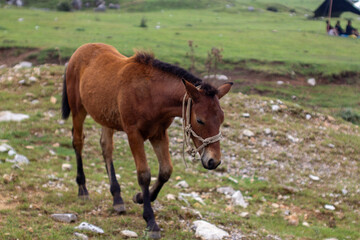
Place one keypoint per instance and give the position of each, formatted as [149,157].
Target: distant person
[330,29]
[350,30]
[339,29]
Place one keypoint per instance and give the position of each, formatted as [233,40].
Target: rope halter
[188,131]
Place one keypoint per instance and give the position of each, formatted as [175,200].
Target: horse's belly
[101,104]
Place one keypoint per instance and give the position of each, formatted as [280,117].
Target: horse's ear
[192,91]
[224,89]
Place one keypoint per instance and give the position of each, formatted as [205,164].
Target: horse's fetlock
[115,188]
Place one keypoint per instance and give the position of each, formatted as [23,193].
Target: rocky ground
[287,172]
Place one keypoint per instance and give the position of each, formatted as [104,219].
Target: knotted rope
[188,131]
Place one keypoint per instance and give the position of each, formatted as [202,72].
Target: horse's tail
[65,107]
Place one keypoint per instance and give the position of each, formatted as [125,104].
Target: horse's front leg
[161,148]
[107,147]
[136,142]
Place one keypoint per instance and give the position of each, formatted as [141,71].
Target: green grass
[250,39]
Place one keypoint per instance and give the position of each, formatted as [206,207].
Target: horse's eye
[200,122]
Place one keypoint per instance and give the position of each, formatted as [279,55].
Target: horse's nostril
[211,164]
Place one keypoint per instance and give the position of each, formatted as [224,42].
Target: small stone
[238,199]
[23,64]
[293,97]
[279,82]
[22,82]
[314,178]
[208,231]
[293,139]
[11,152]
[19,159]
[308,116]
[170,197]
[52,152]
[244,215]
[248,133]
[267,131]
[233,180]
[81,236]
[344,191]
[306,224]
[89,227]
[53,100]
[330,145]
[129,234]
[275,205]
[178,177]
[8,178]
[275,108]
[64,217]
[66,167]
[32,79]
[311,81]
[6,116]
[5,147]
[329,207]
[293,220]
[246,115]
[182,184]
[226,190]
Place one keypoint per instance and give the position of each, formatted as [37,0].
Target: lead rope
[188,131]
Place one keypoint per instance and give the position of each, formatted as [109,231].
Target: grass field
[253,40]
[272,172]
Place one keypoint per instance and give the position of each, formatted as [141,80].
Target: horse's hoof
[84,197]
[138,199]
[154,234]
[120,208]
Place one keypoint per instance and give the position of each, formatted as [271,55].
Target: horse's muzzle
[210,164]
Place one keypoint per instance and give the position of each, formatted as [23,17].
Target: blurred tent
[337,7]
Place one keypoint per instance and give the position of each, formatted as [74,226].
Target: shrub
[349,115]
[143,23]
[64,6]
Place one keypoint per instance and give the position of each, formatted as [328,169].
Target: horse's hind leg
[107,146]
[78,143]
[161,148]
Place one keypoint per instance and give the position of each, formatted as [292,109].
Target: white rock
[293,139]
[279,82]
[306,224]
[329,207]
[217,76]
[19,159]
[330,239]
[267,131]
[308,116]
[170,197]
[89,227]
[5,147]
[275,108]
[6,116]
[208,231]
[314,178]
[238,199]
[248,133]
[182,184]
[330,145]
[233,180]
[129,234]
[64,217]
[66,167]
[3,66]
[193,195]
[32,79]
[244,215]
[344,191]
[311,81]
[23,65]
[226,190]
[81,236]
[246,115]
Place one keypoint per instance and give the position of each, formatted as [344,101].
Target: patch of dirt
[6,203]
[13,55]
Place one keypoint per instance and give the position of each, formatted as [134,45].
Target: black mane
[149,59]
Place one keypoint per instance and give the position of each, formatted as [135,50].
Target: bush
[143,23]
[64,6]
[349,115]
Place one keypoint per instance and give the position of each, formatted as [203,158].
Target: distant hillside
[151,5]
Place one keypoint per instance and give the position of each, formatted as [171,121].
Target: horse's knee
[144,178]
[165,174]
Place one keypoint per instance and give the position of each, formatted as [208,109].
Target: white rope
[188,131]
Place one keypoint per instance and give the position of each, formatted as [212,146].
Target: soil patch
[13,55]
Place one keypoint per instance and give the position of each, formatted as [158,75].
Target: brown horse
[140,96]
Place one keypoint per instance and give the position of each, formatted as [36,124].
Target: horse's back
[92,81]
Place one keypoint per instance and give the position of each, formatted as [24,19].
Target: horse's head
[206,116]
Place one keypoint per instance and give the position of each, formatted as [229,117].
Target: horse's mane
[149,59]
